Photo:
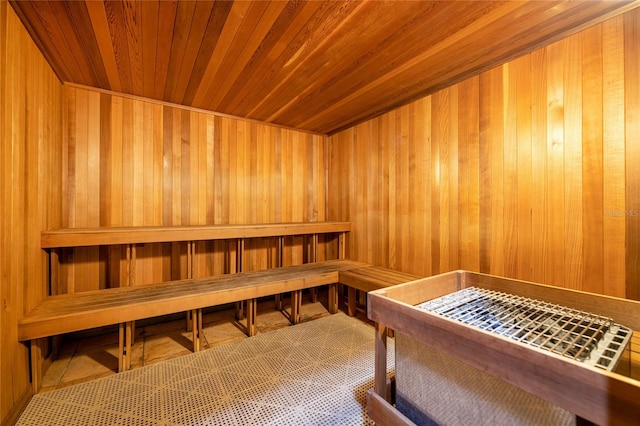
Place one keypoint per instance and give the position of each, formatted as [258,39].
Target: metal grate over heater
[582,336]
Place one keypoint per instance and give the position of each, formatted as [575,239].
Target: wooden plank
[613,161]
[555,215]
[592,157]
[573,220]
[632,154]
[156,234]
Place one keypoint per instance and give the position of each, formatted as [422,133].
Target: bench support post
[296,303]
[280,261]
[252,307]
[333,298]
[196,318]
[239,268]
[36,363]
[314,258]
[351,302]
[124,345]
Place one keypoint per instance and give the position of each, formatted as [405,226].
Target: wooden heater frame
[593,394]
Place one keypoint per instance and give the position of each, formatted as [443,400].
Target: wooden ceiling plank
[167,11]
[149,21]
[117,29]
[184,18]
[197,32]
[267,57]
[300,35]
[258,31]
[318,40]
[87,40]
[340,98]
[211,38]
[181,30]
[233,22]
[376,22]
[98,17]
[133,25]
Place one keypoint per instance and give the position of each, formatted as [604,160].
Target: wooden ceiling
[320,66]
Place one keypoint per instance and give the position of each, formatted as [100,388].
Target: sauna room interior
[384,143]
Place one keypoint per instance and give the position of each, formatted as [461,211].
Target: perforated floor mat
[314,373]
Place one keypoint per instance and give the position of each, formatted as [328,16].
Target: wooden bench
[129,237]
[67,313]
[80,311]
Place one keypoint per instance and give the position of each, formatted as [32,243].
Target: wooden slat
[156,234]
[73,312]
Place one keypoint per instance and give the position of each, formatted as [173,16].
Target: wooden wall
[30,158]
[132,162]
[530,170]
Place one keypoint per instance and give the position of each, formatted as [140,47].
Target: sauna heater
[582,336]
[455,393]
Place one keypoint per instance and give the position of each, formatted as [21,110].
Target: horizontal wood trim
[72,312]
[596,395]
[161,234]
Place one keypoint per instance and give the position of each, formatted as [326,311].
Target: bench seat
[79,311]
[67,313]
[369,278]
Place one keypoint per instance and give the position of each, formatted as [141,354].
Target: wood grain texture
[321,66]
[30,157]
[539,182]
[132,162]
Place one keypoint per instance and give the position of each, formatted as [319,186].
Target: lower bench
[81,311]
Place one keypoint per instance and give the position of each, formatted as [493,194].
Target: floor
[316,373]
[92,355]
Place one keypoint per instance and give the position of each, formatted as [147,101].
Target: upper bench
[82,237]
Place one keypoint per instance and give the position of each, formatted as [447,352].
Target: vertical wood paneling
[614,156]
[151,164]
[632,153]
[30,194]
[592,166]
[547,146]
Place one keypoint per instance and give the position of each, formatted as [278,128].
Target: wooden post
[36,364]
[351,300]
[196,317]
[380,344]
[191,249]
[279,251]
[252,305]
[124,346]
[239,268]
[314,259]
[131,279]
